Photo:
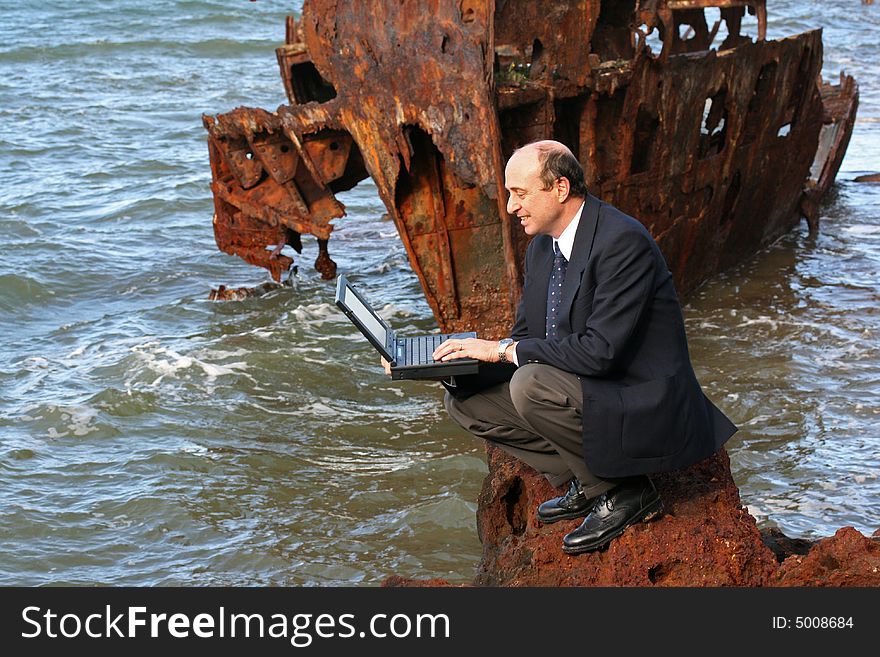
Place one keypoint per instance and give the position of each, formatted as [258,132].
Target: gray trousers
[536,417]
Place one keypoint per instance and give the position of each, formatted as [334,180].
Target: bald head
[555,160]
[546,187]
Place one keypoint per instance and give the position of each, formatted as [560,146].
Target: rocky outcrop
[846,559]
[704,538]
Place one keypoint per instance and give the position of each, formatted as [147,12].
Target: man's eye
[521,194]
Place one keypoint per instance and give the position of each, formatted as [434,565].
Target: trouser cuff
[560,480]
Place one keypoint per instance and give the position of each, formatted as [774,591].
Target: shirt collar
[566,240]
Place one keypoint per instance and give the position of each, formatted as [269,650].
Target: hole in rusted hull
[308,85]
[566,128]
[613,37]
[713,131]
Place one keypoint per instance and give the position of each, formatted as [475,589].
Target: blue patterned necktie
[554,290]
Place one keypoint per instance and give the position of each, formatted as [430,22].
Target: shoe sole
[566,516]
[646,514]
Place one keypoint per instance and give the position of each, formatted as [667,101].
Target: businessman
[599,391]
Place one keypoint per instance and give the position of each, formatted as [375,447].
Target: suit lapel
[580,256]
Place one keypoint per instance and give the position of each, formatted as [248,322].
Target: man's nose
[512,205]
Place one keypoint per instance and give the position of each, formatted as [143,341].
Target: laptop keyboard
[419,350]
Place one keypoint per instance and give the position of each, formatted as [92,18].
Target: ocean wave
[12,228]
[17,291]
[130,49]
[129,402]
[155,359]
[55,421]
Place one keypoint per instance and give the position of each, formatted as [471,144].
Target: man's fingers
[445,348]
[452,349]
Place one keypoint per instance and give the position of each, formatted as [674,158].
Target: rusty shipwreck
[718,146]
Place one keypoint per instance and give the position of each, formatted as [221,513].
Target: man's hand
[455,348]
[386,366]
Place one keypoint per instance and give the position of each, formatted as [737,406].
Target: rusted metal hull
[712,149]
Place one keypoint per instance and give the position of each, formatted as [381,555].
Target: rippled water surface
[148,436]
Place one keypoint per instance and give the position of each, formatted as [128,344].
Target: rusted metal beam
[414,91]
[273,179]
[840,103]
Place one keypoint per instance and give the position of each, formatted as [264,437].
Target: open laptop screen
[363,314]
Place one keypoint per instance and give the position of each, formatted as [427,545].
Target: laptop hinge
[391,344]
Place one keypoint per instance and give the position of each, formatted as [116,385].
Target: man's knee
[451,404]
[458,413]
[524,385]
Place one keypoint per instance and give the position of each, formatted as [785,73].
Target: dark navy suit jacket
[621,331]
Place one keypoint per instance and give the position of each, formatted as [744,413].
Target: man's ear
[563,189]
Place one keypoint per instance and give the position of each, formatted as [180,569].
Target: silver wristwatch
[502,349]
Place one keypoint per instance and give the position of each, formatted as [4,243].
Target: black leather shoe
[574,504]
[613,512]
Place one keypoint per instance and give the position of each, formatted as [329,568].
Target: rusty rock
[704,538]
[395,581]
[846,559]
[223,293]
[783,546]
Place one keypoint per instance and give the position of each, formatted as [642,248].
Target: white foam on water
[168,363]
[862,229]
[200,450]
[320,408]
[316,312]
[74,420]
[758,419]
[220,353]
[273,411]
[761,320]
[756,513]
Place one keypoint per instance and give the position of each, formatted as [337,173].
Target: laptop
[410,358]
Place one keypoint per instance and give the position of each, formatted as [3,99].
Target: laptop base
[438,371]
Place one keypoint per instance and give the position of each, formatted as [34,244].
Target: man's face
[538,210]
